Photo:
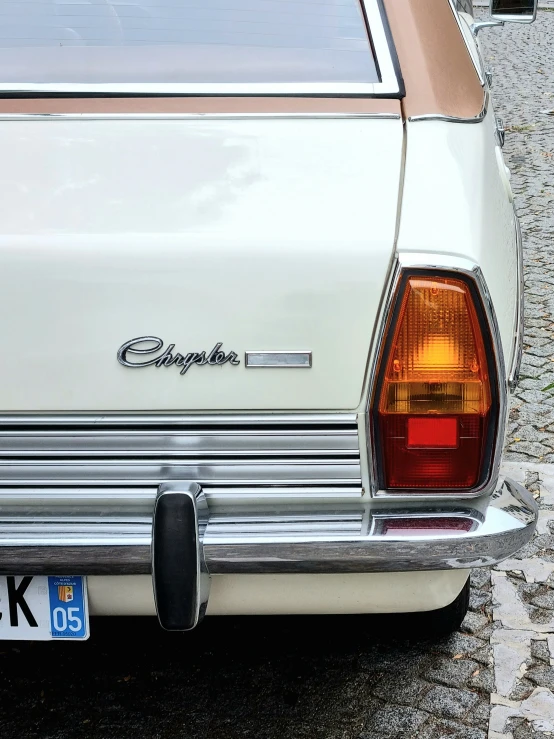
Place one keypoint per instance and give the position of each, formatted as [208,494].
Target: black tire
[445,620]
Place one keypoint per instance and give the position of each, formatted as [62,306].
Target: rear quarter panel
[457,202]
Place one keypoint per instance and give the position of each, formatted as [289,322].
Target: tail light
[435,409]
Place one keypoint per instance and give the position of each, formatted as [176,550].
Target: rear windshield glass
[184,41]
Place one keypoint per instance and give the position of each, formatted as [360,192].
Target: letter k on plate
[43,608]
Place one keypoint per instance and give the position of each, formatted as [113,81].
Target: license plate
[42,608]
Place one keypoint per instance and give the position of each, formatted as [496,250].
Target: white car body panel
[261,234]
[233,595]
[455,203]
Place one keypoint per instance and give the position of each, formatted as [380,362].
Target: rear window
[200,42]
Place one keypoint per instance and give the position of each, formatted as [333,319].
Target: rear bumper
[248,545]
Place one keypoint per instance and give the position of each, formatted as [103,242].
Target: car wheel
[445,620]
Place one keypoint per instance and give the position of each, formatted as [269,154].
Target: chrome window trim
[247,89]
[388,86]
[465,30]
[517,346]
[453,119]
[467,268]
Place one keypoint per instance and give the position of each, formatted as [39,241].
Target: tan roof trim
[438,71]
[199,106]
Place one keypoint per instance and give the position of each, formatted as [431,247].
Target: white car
[260,288]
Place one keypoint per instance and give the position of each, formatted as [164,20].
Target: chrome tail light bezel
[407,266]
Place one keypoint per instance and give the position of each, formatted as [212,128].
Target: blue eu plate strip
[68,607]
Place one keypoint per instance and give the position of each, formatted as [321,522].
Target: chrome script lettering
[144,347]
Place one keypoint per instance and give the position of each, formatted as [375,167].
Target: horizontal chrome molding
[186,444]
[136,421]
[317,543]
[189,116]
[134,505]
[242,451]
[280,359]
[204,472]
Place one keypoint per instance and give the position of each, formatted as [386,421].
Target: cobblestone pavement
[523,58]
[522,587]
[523,611]
[352,677]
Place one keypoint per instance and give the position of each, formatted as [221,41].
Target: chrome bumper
[294,543]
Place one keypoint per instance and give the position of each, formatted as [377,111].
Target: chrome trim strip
[453,119]
[462,27]
[136,421]
[246,89]
[240,451]
[191,116]
[379,339]
[271,547]
[186,444]
[479,25]
[281,359]
[205,472]
[517,346]
[466,267]
[131,504]
[390,84]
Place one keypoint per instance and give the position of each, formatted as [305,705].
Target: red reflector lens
[425,526]
[436,432]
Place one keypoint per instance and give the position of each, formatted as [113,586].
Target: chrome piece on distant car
[214,357]
[500,131]
[180,578]
[514,11]
[290,543]
[294,359]
[508,11]
[448,265]
[465,6]
[479,25]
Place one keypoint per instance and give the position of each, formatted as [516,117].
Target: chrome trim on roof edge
[453,119]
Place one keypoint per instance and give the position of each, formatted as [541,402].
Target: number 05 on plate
[43,608]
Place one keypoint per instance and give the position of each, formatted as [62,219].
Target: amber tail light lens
[436,403]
